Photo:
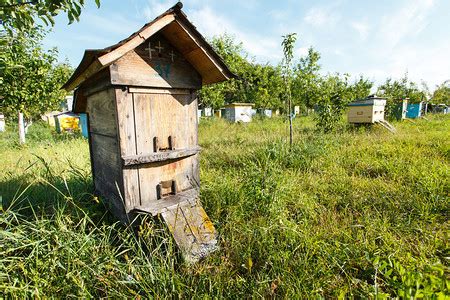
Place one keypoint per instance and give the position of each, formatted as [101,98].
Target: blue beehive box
[84,125]
[414,111]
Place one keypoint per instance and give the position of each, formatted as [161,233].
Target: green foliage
[234,90]
[360,89]
[30,77]
[306,82]
[335,93]
[442,93]
[268,86]
[293,222]
[256,83]
[20,15]
[410,282]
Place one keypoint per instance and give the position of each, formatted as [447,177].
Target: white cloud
[321,16]
[300,51]
[408,21]
[362,28]
[210,23]
[155,8]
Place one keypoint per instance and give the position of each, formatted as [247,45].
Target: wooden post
[21,129]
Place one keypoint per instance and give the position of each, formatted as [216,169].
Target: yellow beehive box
[67,122]
[369,110]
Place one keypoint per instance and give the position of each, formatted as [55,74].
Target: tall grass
[360,213]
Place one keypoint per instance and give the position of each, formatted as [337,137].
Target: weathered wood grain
[192,230]
[102,113]
[143,90]
[169,202]
[127,142]
[165,69]
[159,156]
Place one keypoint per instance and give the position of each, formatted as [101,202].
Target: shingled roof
[176,28]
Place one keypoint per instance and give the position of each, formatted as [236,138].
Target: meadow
[360,212]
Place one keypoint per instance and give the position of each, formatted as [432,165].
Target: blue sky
[378,39]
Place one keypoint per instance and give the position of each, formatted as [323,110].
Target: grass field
[360,212]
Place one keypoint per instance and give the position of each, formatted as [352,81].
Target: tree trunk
[21,129]
[291,135]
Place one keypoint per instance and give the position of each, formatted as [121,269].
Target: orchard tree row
[329,94]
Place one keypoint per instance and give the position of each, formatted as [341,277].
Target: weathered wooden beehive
[140,98]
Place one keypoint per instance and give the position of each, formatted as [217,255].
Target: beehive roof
[177,29]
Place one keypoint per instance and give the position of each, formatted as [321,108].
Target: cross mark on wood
[150,50]
[172,55]
[159,47]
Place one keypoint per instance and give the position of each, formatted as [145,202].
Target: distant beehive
[66,121]
[370,110]
[414,110]
[140,98]
[400,109]
[239,112]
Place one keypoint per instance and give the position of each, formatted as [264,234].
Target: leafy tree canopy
[30,77]
[20,15]
[442,93]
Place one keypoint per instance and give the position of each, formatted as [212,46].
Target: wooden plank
[125,120]
[143,122]
[127,142]
[106,168]
[169,202]
[102,113]
[105,157]
[131,191]
[159,156]
[159,91]
[192,230]
[155,63]
[93,68]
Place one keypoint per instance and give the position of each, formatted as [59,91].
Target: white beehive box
[370,110]
[239,112]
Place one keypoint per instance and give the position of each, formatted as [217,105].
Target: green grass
[361,212]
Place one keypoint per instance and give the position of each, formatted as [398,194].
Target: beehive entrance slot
[166,188]
[170,144]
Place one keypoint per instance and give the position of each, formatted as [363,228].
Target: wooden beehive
[370,110]
[140,98]
[239,112]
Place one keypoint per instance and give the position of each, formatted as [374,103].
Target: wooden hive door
[168,126]
[159,148]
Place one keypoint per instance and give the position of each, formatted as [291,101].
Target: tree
[30,77]
[241,89]
[288,54]
[334,95]
[268,86]
[20,15]
[306,82]
[442,93]
[360,89]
